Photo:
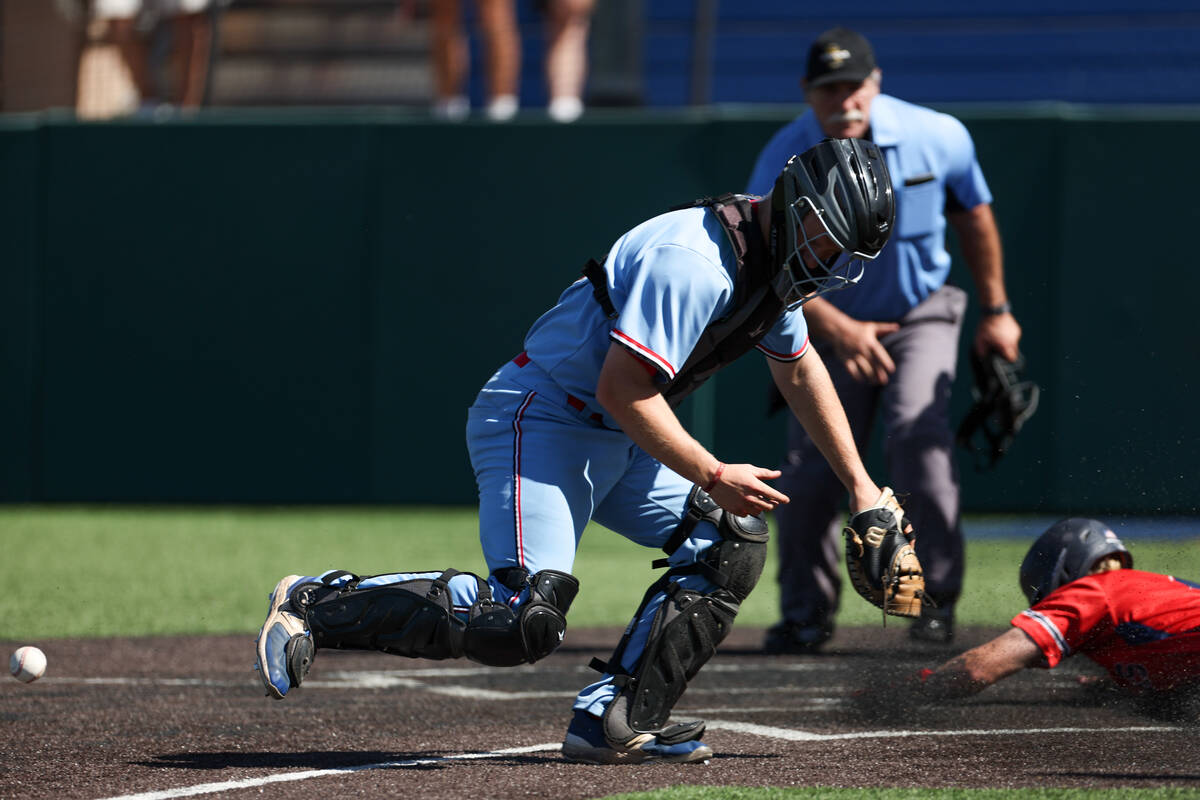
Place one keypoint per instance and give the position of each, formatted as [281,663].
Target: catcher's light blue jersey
[669,278]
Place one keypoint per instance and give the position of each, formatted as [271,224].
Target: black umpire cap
[839,54]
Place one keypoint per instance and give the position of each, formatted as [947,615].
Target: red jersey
[1142,627]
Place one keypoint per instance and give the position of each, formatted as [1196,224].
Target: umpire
[890,342]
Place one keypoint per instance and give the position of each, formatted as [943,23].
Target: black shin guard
[415,618]
[410,618]
[689,625]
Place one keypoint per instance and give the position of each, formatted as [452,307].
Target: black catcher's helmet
[846,182]
[1066,552]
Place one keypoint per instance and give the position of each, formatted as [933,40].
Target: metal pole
[702,46]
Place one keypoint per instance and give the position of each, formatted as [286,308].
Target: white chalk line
[790,735]
[285,777]
[808,704]
[436,672]
[818,699]
[410,680]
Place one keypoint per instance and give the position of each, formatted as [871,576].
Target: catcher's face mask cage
[1066,552]
[814,275]
[845,184]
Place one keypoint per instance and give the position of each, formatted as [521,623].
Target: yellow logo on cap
[835,56]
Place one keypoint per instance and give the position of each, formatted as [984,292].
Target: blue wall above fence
[1109,51]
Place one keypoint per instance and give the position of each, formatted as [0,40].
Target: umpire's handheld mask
[1004,401]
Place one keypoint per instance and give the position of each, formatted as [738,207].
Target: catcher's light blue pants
[544,468]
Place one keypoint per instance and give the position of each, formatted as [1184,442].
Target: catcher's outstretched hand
[880,558]
[740,489]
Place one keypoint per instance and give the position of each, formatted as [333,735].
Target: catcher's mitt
[881,561]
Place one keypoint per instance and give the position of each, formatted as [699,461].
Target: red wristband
[924,674]
[716,477]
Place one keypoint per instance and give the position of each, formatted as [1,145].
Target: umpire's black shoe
[934,626]
[794,638]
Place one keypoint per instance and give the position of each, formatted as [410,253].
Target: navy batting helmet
[1067,551]
[846,183]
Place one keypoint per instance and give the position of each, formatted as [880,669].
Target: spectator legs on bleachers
[451,58]
[567,24]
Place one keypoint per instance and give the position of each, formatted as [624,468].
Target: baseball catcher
[880,558]
[581,426]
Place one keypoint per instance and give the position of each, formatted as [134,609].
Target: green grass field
[107,571]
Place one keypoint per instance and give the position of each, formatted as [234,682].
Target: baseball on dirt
[27,664]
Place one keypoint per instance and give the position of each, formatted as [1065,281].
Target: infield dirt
[118,717]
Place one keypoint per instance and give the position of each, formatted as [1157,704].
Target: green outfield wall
[299,307]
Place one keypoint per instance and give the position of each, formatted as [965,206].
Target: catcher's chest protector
[756,306]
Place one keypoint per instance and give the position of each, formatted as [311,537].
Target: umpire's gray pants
[918,447]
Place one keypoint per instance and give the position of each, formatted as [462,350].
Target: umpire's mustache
[853,115]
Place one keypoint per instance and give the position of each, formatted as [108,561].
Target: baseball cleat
[587,743]
[792,638]
[284,647]
[934,626]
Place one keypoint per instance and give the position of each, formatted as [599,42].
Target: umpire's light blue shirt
[932,162]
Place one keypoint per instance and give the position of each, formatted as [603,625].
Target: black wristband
[1003,308]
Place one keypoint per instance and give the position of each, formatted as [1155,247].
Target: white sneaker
[452,109]
[502,108]
[565,109]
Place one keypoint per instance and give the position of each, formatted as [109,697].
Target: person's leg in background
[122,18]
[919,448]
[567,25]
[450,57]
[191,50]
[502,53]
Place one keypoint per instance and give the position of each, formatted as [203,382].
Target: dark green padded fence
[299,308]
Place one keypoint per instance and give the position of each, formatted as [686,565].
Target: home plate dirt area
[169,717]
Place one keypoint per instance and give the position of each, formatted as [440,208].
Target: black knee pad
[736,561]
[500,637]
